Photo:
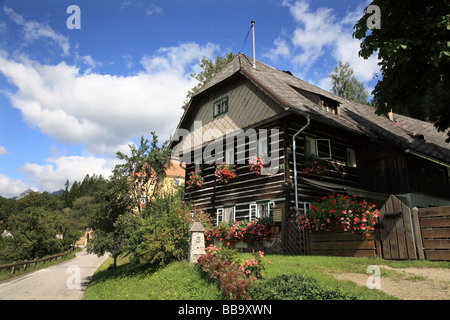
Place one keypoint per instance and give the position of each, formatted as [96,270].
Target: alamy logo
[374,20]
[74,280]
[210,146]
[74,20]
[374,281]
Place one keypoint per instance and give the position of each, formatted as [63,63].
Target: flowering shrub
[254,267]
[225,172]
[233,276]
[195,179]
[255,231]
[314,166]
[258,231]
[341,211]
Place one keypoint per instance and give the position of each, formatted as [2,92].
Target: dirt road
[63,281]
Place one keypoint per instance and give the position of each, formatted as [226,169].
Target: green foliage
[209,70]
[163,234]
[112,220]
[414,51]
[344,84]
[145,169]
[39,227]
[294,287]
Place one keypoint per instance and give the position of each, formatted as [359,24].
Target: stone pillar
[197,242]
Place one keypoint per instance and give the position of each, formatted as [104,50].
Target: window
[177,181]
[261,210]
[263,145]
[320,148]
[220,106]
[323,148]
[226,214]
[351,158]
[310,147]
[219,213]
[229,154]
[253,211]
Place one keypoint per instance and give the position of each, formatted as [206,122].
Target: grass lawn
[176,281]
[181,281]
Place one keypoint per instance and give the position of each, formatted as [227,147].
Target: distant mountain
[27,192]
[23,194]
[57,193]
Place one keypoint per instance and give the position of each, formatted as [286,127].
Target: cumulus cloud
[53,175]
[3,150]
[102,111]
[10,187]
[321,33]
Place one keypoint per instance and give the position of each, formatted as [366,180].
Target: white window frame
[253,210]
[229,154]
[220,213]
[263,145]
[312,147]
[220,106]
[329,149]
[256,210]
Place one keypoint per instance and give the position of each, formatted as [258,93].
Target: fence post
[418,234]
[13,268]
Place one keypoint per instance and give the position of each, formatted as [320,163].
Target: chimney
[391,115]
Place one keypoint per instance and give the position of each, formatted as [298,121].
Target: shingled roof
[403,132]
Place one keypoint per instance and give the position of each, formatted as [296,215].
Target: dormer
[325,103]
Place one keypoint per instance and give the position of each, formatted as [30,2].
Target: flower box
[341,244]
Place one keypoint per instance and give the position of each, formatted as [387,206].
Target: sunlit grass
[176,281]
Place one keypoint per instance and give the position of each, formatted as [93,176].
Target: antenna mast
[253,34]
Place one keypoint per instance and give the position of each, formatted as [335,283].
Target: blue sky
[71,98]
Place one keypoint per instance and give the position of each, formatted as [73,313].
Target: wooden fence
[25,263]
[400,235]
[434,226]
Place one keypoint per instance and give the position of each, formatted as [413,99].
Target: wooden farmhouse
[316,142]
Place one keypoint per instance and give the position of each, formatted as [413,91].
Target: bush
[163,233]
[294,287]
[219,264]
[233,276]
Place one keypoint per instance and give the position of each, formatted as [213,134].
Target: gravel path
[63,281]
[429,283]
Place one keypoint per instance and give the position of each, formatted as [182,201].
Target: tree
[414,51]
[344,84]
[210,69]
[145,169]
[109,220]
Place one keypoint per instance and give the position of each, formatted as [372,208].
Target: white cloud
[321,33]
[101,110]
[33,30]
[10,187]
[53,175]
[3,150]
